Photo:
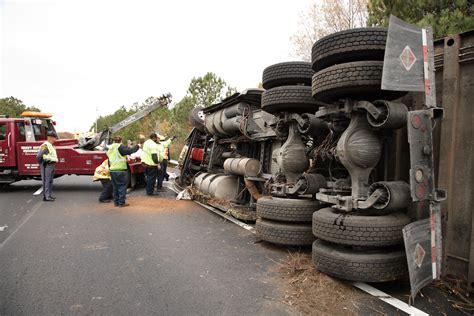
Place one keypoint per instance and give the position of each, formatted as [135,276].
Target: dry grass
[314,293]
[457,288]
[207,199]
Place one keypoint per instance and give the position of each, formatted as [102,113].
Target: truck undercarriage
[310,157]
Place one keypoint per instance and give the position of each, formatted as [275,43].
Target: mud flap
[403,60]
[423,250]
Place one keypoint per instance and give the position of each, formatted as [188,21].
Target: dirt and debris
[149,205]
[457,294]
[314,293]
[207,199]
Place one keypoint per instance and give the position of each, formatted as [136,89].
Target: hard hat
[52,134]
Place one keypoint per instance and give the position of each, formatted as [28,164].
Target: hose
[250,185]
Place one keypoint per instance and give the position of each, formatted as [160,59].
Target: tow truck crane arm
[162,101]
[106,134]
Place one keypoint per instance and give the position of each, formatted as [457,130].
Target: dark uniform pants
[107,190]
[47,176]
[162,173]
[151,175]
[119,184]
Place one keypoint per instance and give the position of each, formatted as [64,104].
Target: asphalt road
[159,256]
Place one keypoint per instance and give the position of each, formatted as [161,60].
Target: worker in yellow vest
[102,174]
[117,154]
[47,158]
[151,159]
[163,148]
[164,163]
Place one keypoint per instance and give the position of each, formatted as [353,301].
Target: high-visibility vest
[51,156]
[150,148]
[102,171]
[117,162]
[162,148]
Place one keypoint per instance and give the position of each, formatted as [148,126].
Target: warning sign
[419,255]
[407,58]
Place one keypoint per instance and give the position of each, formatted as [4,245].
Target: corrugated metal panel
[455,150]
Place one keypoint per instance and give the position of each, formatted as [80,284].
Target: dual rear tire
[286,221]
[288,88]
[359,247]
[349,64]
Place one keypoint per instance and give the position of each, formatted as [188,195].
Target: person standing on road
[163,148]
[47,158]
[117,154]
[151,162]
[102,174]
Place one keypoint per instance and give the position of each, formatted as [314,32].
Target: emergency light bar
[36,114]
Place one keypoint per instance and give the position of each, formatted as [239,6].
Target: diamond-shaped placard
[408,58]
[419,255]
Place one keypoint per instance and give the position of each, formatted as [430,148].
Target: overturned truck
[311,157]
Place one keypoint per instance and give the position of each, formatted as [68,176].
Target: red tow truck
[20,139]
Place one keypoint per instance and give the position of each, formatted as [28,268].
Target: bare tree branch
[324,17]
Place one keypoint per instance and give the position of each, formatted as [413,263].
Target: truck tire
[380,265]
[287,74]
[196,118]
[358,80]
[287,210]
[288,234]
[366,43]
[295,99]
[359,230]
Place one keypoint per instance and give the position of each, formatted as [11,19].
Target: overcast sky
[70,56]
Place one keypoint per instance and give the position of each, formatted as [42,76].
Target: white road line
[410,310]
[228,217]
[26,218]
[220,213]
[39,191]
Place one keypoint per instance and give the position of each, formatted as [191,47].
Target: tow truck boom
[162,101]
[106,134]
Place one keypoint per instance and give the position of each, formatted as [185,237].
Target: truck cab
[32,127]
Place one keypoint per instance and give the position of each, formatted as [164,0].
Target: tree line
[324,17]
[13,107]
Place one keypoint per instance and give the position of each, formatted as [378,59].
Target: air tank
[221,186]
[248,167]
